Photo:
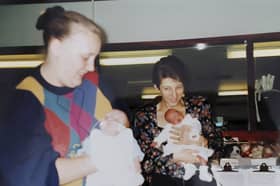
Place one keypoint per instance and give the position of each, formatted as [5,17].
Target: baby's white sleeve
[164,135]
[136,150]
[86,144]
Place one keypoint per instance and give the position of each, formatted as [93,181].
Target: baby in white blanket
[177,119]
[115,153]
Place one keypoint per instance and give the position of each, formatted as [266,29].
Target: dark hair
[56,22]
[168,67]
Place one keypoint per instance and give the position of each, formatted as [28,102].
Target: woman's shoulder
[195,100]
[148,107]
[22,109]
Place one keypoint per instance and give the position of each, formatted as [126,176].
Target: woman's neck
[162,107]
[49,74]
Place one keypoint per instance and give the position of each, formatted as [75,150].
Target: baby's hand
[137,165]
[201,160]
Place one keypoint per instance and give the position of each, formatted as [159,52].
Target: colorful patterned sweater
[67,114]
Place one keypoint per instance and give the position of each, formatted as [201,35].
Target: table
[247,177]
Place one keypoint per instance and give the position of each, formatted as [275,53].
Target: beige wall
[150,20]
[141,20]
[18,22]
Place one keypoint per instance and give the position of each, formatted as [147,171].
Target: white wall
[17,22]
[150,20]
[142,20]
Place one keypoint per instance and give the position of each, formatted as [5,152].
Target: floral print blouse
[145,129]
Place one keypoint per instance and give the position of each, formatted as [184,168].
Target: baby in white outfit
[114,152]
[177,119]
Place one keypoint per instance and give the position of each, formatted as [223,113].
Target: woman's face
[76,56]
[171,91]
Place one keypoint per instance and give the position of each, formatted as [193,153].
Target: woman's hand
[137,165]
[186,156]
[180,136]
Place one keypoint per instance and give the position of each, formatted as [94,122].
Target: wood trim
[21,50]
[272,136]
[38,1]
[149,45]
[252,125]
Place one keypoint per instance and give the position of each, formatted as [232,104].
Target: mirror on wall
[211,71]
[234,73]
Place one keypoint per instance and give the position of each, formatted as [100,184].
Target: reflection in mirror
[267,87]
[14,67]
[211,71]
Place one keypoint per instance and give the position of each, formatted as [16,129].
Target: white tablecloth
[247,177]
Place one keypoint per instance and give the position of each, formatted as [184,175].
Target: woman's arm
[199,107]
[180,136]
[70,169]
[28,158]
[186,156]
[202,109]
[145,130]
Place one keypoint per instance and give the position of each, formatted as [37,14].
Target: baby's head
[117,116]
[114,121]
[173,116]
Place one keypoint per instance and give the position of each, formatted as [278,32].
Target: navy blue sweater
[26,157]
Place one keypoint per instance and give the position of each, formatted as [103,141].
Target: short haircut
[168,67]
